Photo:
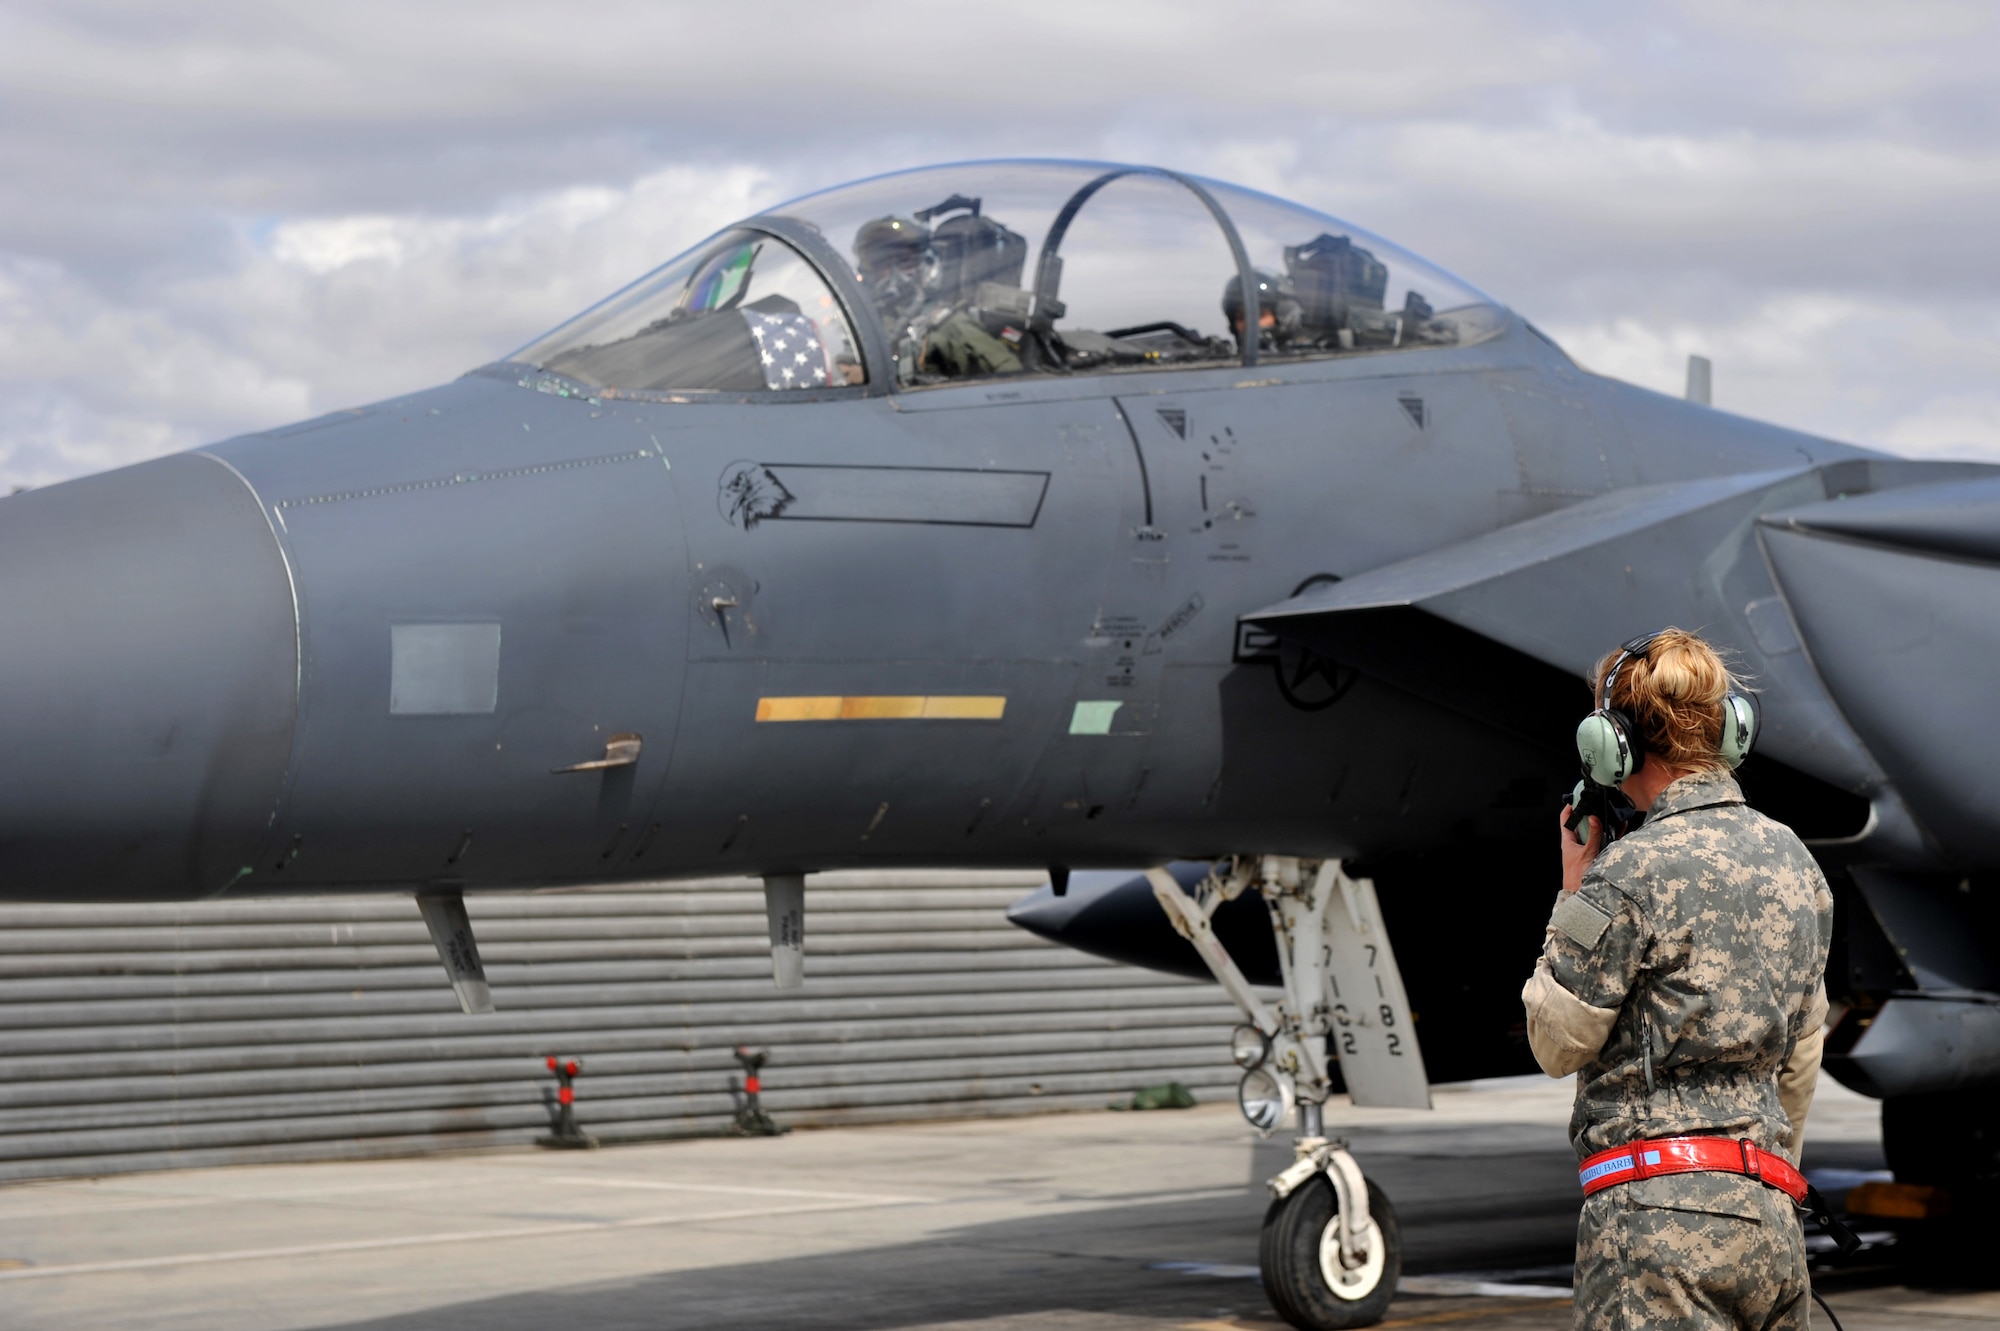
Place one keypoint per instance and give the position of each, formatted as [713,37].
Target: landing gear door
[1368,1014]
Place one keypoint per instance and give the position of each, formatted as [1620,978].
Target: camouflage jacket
[1706,929]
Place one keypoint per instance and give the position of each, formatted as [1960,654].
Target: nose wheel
[1310,1282]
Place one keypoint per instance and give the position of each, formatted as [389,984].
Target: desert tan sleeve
[1563,1031]
[1800,1075]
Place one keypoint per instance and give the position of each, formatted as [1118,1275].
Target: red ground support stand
[567,1136]
[751,1120]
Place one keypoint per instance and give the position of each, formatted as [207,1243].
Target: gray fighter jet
[1036,514]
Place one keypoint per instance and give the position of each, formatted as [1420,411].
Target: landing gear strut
[1331,1250]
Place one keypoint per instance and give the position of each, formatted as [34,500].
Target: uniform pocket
[1706,1193]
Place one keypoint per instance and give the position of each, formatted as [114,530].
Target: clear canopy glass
[1017,267]
[1328,289]
[743,311]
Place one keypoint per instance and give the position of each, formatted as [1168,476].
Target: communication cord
[1823,1308]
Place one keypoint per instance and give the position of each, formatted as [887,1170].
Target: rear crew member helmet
[1278,308]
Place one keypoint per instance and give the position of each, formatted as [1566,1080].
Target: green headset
[1608,743]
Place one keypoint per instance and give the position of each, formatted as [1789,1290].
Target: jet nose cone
[148,683]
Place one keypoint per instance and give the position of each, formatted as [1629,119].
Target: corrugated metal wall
[147,1037]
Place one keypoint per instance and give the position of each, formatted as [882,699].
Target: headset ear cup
[1739,728]
[1605,748]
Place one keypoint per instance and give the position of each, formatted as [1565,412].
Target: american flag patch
[790,349]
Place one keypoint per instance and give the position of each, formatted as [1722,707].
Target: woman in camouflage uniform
[1681,980]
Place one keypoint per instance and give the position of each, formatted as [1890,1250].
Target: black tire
[1289,1255]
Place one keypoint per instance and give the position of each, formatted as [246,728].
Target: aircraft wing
[1505,626]
[1812,577]
[1560,586]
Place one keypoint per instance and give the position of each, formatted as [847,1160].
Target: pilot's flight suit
[959,346]
[1683,984]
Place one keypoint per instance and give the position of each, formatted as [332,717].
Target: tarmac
[1074,1222]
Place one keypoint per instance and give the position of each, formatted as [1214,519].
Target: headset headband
[1631,649]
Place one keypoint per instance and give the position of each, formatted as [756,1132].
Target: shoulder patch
[1583,922]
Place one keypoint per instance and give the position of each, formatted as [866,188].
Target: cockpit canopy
[984,269]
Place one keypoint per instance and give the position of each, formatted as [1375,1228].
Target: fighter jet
[1055,514]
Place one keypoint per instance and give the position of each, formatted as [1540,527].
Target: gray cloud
[219,217]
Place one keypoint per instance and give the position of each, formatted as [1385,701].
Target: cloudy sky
[221,217]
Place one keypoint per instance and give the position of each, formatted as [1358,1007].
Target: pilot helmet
[1275,294]
[897,266]
[890,242]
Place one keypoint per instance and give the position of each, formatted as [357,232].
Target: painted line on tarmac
[1214,1270]
[1148,1198]
[1420,1319]
[1471,1288]
[415,1241]
[63,1198]
[1467,1314]
[662,1185]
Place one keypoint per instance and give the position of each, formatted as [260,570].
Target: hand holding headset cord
[1611,749]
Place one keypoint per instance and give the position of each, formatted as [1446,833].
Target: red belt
[1690,1155]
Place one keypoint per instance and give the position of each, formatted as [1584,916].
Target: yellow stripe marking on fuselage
[966,707]
[884,707]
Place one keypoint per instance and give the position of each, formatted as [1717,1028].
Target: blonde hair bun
[1673,691]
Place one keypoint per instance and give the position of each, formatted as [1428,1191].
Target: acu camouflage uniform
[1683,984]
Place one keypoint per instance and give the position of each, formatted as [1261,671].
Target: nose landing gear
[1331,1250]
